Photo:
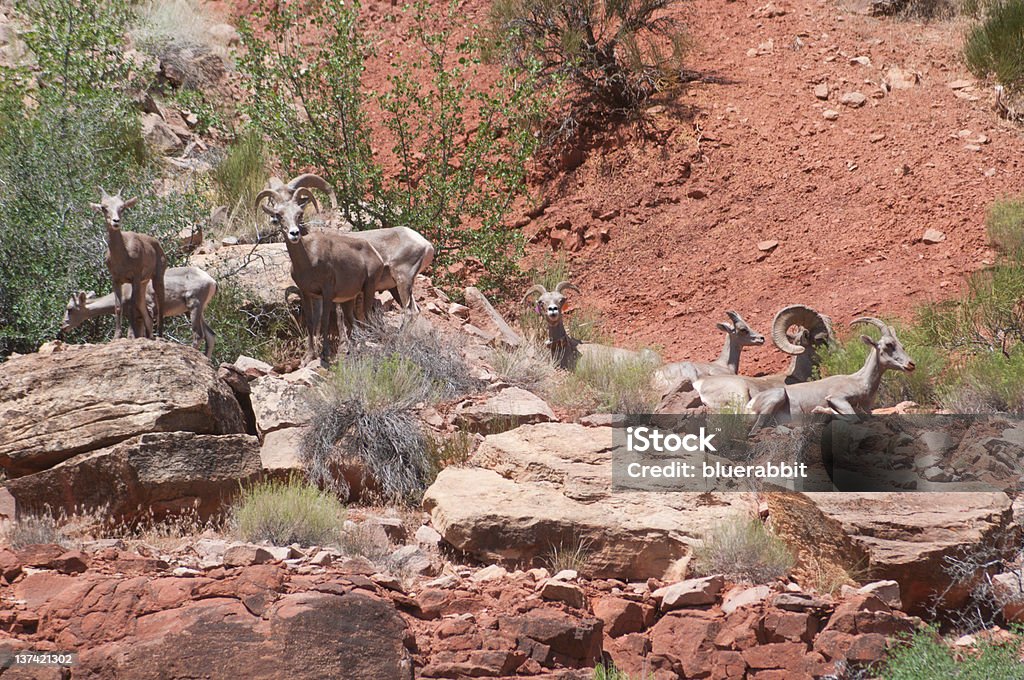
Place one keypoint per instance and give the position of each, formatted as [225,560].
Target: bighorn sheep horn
[271,194]
[304,195]
[565,285]
[872,321]
[734,316]
[538,289]
[312,181]
[797,315]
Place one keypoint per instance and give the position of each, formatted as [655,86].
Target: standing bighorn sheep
[566,350]
[329,267]
[839,394]
[187,290]
[133,258]
[405,251]
[737,336]
[813,331]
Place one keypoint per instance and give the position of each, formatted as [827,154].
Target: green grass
[994,47]
[1005,225]
[926,656]
[286,512]
[988,382]
[606,672]
[744,549]
[603,385]
[241,175]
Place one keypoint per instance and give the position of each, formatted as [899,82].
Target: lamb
[565,350]
[738,335]
[813,331]
[838,394]
[188,290]
[325,266]
[133,258]
[406,253]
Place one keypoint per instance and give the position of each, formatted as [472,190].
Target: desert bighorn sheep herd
[332,267]
[797,330]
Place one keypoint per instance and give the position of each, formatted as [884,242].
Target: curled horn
[267,193]
[304,195]
[797,315]
[537,288]
[312,181]
[565,285]
[872,321]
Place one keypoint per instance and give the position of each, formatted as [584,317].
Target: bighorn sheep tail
[538,289]
[312,181]
[565,285]
[271,194]
[796,315]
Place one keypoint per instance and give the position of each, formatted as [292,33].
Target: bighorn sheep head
[814,329]
[76,313]
[741,332]
[891,354]
[286,213]
[112,206]
[550,302]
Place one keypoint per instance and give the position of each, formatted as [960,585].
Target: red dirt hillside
[746,156]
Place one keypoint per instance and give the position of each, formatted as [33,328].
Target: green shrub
[574,554]
[618,53]
[455,181]
[530,365]
[925,655]
[922,385]
[1005,224]
[988,382]
[604,671]
[745,549]
[994,47]
[286,512]
[603,385]
[241,175]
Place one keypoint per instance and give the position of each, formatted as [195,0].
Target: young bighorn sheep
[565,350]
[737,336]
[838,394]
[329,267]
[187,290]
[137,259]
[813,330]
[406,253]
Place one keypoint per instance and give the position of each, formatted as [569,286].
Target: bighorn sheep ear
[538,289]
[867,340]
[724,327]
[82,297]
[130,202]
[564,286]
[98,207]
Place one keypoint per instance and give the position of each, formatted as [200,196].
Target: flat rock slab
[506,410]
[152,473]
[546,486]
[88,397]
[264,270]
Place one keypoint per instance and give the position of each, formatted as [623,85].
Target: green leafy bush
[455,182]
[744,548]
[286,512]
[925,655]
[994,46]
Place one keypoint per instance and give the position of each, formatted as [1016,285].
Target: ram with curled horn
[566,350]
[797,330]
[838,394]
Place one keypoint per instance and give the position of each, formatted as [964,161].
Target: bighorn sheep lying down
[565,350]
[133,258]
[812,331]
[405,251]
[325,266]
[187,290]
[737,336]
[839,394]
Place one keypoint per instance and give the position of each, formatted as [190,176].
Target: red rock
[685,639]
[70,562]
[868,614]
[781,655]
[629,653]
[727,665]
[619,616]
[576,641]
[833,644]
[10,565]
[866,649]
[739,631]
[781,626]
[39,555]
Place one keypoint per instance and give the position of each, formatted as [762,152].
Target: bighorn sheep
[565,350]
[813,331]
[838,394]
[133,258]
[187,290]
[737,336]
[325,266]
[405,251]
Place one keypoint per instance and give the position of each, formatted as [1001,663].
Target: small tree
[619,52]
